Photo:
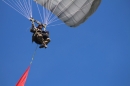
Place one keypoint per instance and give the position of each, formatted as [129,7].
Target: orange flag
[22,80]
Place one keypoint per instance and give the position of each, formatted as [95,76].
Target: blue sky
[96,53]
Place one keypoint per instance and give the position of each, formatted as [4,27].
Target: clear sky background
[96,53]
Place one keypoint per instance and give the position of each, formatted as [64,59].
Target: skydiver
[39,36]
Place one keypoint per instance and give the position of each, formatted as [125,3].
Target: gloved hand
[32,20]
[44,25]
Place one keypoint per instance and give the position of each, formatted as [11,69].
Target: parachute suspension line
[14,8]
[33,55]
[69,14]
[46,11]
[49,7]
[39,11]
[30,6]
[21,6]
[46,14]
[55,24]
[43,9]
[26,7]
[53,12]
[61,11]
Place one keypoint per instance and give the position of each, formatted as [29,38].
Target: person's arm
[47,32]
[38,22]
[33,29]
[33,20]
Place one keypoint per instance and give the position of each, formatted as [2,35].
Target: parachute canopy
[71,12]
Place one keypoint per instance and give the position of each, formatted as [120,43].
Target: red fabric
[22,80]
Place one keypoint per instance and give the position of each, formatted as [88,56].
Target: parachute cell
[71,12]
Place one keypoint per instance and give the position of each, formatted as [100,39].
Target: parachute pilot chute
[22,80]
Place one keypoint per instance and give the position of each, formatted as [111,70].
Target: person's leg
[41,40]
[47,40]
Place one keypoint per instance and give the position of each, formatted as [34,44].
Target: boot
[47,41]
[43,46]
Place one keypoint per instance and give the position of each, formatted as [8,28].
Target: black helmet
[39,26]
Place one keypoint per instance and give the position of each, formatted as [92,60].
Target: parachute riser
[39,23]
[44,29]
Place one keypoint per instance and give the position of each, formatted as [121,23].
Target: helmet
[40,26]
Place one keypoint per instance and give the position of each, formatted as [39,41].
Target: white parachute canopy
[71,12]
